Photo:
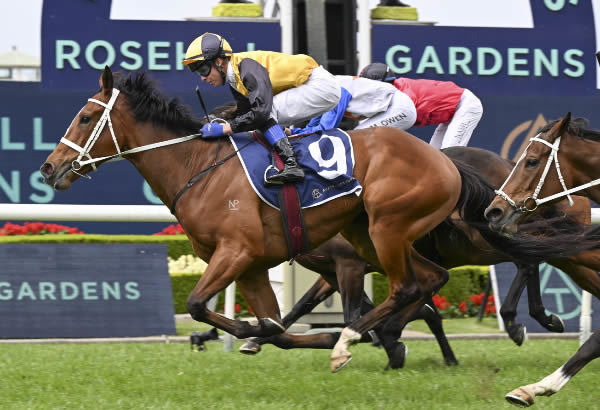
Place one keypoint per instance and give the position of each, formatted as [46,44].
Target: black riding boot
[291,172]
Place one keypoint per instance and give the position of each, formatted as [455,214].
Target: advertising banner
[85,290]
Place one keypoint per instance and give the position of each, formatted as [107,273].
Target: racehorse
[401,200]
[571,147]
[450,244]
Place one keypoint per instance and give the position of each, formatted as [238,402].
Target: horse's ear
[564,124]
[106,81]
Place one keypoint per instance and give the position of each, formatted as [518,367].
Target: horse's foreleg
[537,310]
[433,319]
[320,291]
[508,310]
[225,266]
[524,396]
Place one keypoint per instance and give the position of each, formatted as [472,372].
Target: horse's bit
[552,158]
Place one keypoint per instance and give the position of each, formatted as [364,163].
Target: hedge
[464,281]
[177,245]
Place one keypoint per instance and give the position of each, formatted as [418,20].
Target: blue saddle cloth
[326,157]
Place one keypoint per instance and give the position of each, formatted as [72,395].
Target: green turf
[169,376]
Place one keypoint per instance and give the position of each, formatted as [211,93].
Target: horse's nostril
[493,214]
[46,170]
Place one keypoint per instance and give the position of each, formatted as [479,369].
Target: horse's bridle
[84,151]
[552,158]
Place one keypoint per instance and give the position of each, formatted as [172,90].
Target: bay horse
[562,159]
[401,200]
[450,244]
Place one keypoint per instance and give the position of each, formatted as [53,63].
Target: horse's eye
[84,119]
[531,163]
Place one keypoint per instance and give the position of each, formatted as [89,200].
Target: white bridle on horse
[552,158]
[84,151]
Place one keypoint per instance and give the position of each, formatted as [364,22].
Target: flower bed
[464,308]
[36,228]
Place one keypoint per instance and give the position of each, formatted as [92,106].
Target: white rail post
[229,313]
[585,320]
[364,33]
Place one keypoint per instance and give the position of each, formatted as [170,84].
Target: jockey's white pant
[319,94]
[457,131]
[401,113]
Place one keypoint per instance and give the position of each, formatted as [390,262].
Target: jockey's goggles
[202,68]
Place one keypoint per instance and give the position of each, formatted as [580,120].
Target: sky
[20,22]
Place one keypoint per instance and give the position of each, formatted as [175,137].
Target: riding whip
[202,103]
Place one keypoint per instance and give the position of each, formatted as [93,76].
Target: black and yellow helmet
[207,47]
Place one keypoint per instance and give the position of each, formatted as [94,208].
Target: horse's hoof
[451,361]
[521,397]
[250,348]
[518,334]
[556,324]
[397,357]
[337,363]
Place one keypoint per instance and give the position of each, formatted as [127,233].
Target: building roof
[15,58]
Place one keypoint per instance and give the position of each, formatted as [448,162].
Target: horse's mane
[148,104]
[578,126]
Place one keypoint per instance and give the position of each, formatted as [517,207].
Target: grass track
[169,376]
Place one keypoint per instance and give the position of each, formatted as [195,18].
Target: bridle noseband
[552,158]
[84,151]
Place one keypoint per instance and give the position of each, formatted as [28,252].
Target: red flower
[171,230]
[463,306]
[477,299]
[440,302]
[237,308]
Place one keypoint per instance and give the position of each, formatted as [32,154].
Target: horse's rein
[552,158]
[84,151]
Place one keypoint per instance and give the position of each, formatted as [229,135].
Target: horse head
[532,177]
[90,139]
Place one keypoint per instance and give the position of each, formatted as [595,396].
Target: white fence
[160,213]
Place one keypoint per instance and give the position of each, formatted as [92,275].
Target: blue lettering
[11,190]
[38,144]
[91,49]
[62,55]
[26,292]
[37,182]
[131,291]
[6,293]
[5,143]
[154,55]
[108,291]
[137,62]
[47,290]
[89,290]
[579,66]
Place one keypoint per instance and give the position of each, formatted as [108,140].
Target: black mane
[578,126]
[148,104]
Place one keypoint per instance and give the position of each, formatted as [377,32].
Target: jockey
[371,103]
[270,89]
[456,111]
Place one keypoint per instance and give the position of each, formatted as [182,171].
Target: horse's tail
[551,235]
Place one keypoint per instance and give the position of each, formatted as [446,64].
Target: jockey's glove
[212,130]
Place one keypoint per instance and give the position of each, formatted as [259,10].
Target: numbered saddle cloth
[326,157]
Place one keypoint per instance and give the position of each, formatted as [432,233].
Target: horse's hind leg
[406,297]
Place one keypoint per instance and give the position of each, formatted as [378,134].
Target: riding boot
[291,172]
